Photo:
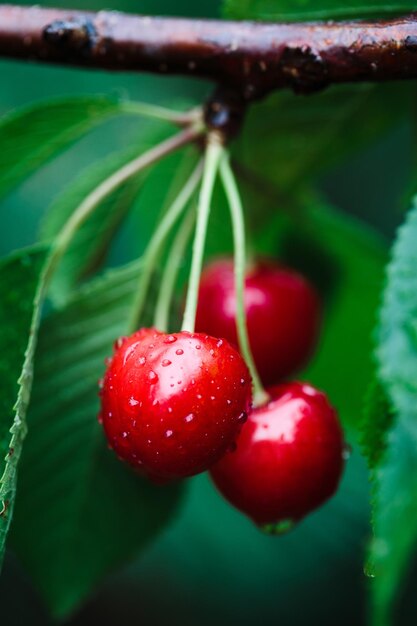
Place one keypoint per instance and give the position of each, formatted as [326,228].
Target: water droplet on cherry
[242,417]
[152,377]
[119,342]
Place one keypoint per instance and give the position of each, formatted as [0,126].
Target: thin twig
[89,204]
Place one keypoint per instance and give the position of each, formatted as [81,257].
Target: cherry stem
[90,203]
[170,274]
[238,225]
[157,241]
[179,118]
[214,152]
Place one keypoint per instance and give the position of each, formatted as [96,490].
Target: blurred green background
[211,567]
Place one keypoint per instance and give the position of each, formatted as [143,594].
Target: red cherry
[282,309]
[288,460]
[173,404]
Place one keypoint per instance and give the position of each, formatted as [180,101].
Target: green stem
[155,245]
[214,152]
[161,113]
[236,213]
[169,277]
[90,203]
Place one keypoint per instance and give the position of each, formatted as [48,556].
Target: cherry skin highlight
[282,312]
[288,459]
[171,405]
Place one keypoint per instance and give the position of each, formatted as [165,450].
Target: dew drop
[219,343]
[142,360]
[170,339]
[152,377]
[189,418]
[109,414]
[179,351]
[124,435]
[170,409]
[198,347]
[212,352]
[212,397]
[228,402]
[166,362]
[369,569]
[169,433]
[242,417]
[119,342]
[346,452]
[133,401]
[199,396]
[242,381]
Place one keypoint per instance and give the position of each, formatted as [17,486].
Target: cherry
[173,404]
[282,310]
[288,460]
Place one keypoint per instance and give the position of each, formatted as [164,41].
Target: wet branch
[252,58]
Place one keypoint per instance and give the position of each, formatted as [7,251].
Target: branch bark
[252,58]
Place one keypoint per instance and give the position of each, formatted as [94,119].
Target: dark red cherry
[282,309]
[288,459]
[173,404]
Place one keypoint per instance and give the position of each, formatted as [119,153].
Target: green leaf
[377,420]
[276,10]
[288,139]
[19,315]
[80,512]
[31,136]
[395,498]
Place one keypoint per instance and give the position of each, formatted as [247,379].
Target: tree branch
[253,58]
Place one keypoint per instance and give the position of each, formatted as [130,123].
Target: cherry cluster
[174,405]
